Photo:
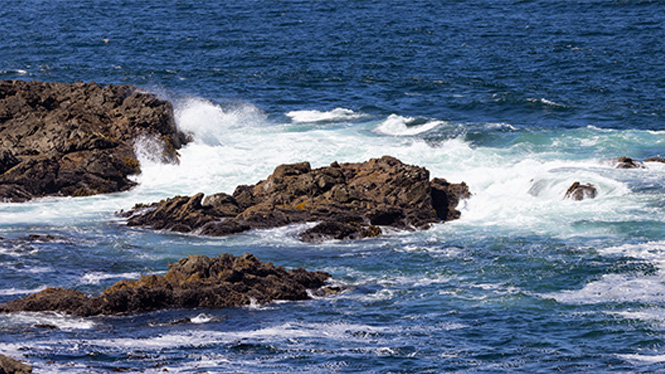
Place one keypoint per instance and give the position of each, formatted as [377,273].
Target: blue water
[517,98]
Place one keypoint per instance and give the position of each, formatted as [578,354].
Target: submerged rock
[193,282]
[578,191]
[9,365]
[77,139]
[627,163]
[350,200]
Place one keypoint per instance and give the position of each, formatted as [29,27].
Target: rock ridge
[350,200]
[77,139]
[195,281]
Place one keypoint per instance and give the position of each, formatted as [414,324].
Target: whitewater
[521,254]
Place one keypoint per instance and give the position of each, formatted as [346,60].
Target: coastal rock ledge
[349,201]
[195,281]
[9,365]
[77,139]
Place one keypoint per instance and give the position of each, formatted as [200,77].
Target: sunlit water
[517,99]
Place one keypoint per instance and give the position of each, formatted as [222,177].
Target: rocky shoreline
[59,139]
[9,365]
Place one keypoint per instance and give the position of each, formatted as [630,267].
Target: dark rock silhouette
[350,200]
[193,282]
[578,191]
[77,139]
[628,163]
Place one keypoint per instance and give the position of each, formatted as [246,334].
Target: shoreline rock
[195,281]
[9,365]
[350,201]
[59,139]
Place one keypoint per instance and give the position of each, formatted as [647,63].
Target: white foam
[546,102]
[97,276]
[335,115]
[643,358]
[20,291]
[210,123]
[16,71]
[60,320]
[615,288]
[398,125]
[202,318]
[289,330]
[517,187]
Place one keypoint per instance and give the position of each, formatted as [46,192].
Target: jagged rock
[628,163]
[77,139]
[349,200]
[655,159]
[193,282]
[9,365]
[578,191]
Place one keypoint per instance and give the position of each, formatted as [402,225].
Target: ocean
[519,99]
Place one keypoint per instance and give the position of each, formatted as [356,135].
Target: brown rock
[76,139]
[628,163]
[9,365]
[351,199]
[193,282]
[578,191]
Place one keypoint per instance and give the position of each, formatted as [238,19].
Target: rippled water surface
[519,99]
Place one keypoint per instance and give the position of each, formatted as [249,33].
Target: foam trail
[96,277]
[398,125]
[335,115]
[59,320]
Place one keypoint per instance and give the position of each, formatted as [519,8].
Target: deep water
[519,99]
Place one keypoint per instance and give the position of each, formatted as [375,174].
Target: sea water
[519,99]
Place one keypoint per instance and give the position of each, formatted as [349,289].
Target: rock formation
[578,191]
[77,139]
[349,200]
[627,163]
[193,282]
[10,366]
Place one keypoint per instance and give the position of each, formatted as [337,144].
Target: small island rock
[579,191]
[193,282]
[349,200]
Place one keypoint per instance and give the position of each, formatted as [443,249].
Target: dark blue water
[454,60]
[517,98]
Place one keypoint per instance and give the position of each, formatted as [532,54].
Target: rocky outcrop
[9,365]
[77,139]
[627,163]
[578,191]
[349,200]
[193,282]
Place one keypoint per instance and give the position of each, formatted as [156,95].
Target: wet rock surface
[9,365]
[628,163]
[195,281]
[578,191]
[350,201]
[77,139]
